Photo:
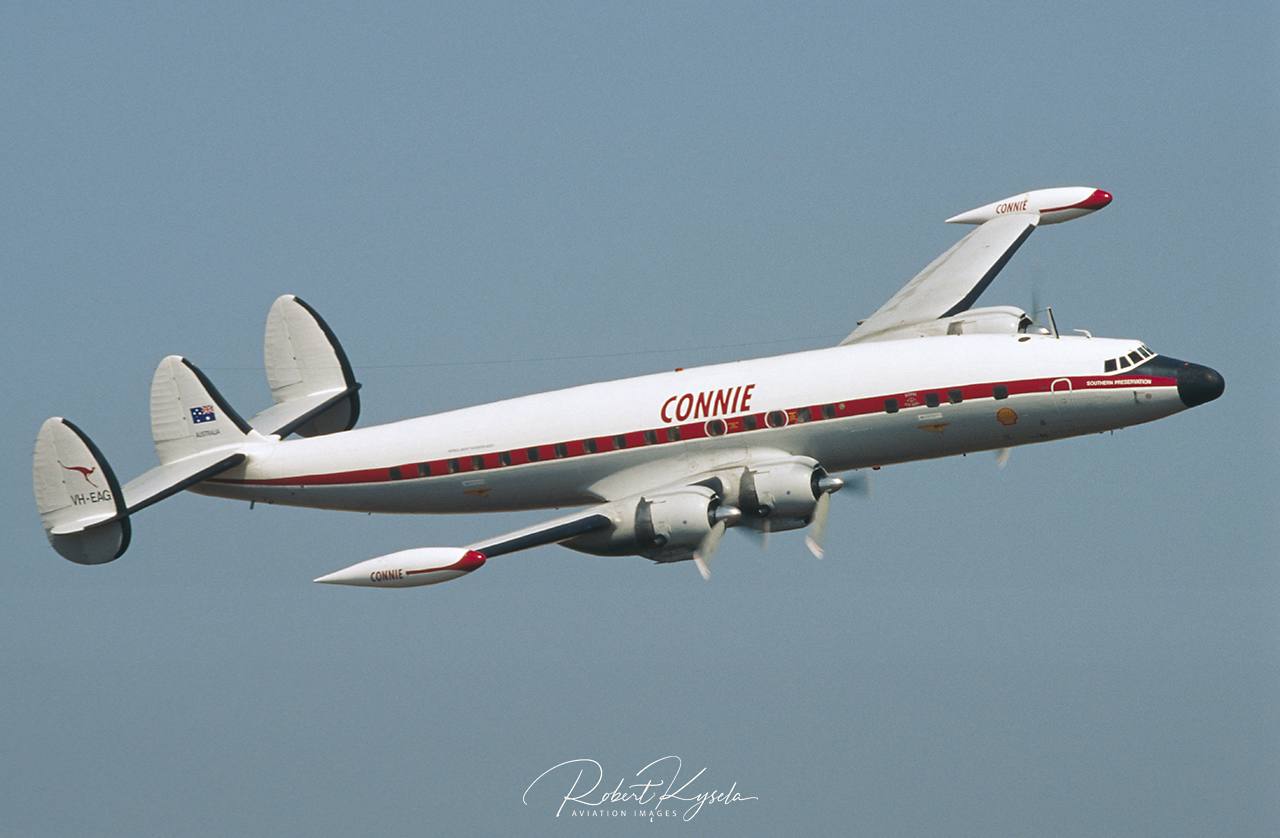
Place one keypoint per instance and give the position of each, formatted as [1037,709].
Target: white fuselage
[601,441]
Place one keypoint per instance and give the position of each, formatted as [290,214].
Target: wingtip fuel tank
[408,568]
[1053,206]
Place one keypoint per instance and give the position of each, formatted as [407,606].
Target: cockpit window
[1133,359]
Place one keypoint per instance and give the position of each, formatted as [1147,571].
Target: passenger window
[1109,366]
[931,399]
[477,462]
[750,423]
[619,442]
[453,466]
[650,437]
[560,450]
[716,427]
[395,472]
[424,469]
[589,445]
[828,411]
[673,434]
[533,455]
[504,459]
[890,405]
[1000,391]
[804,414]
[955,396]
[775,419]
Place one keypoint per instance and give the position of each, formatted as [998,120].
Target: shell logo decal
[1006,416]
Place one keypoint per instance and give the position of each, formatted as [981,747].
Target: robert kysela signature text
[655,786]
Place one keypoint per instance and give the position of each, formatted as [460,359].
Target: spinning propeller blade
[707,549]
[817,535]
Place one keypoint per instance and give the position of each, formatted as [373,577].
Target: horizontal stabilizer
[166,480]
[312,385]
[84,510]
[80,501]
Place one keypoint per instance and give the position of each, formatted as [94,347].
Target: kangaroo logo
[85,472]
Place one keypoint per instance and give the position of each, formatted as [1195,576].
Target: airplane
[662,464]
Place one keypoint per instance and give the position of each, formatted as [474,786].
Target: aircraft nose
[1198,384]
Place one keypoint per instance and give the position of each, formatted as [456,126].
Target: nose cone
[1198,384]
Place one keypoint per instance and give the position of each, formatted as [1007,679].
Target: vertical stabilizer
[312,384]
[80,501]
[188,414]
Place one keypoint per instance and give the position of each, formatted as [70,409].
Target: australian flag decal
[203,414]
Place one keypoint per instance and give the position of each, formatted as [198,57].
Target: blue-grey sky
[490,199]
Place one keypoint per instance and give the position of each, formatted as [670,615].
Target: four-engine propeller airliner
[663,463]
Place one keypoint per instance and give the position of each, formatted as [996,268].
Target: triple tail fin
[197,433]
[84,509]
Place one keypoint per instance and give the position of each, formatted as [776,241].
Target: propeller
[707,549]
[1036,328]
[724,516]
[816,536]
[825,486]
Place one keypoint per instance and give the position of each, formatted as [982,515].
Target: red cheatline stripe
[470,561]
[695,430]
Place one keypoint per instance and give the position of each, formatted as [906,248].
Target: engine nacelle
[664,527]
[781,495]
[992,320]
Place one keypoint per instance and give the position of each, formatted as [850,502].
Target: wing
[552,532]
[672,522]
[431,565]
[952,283]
